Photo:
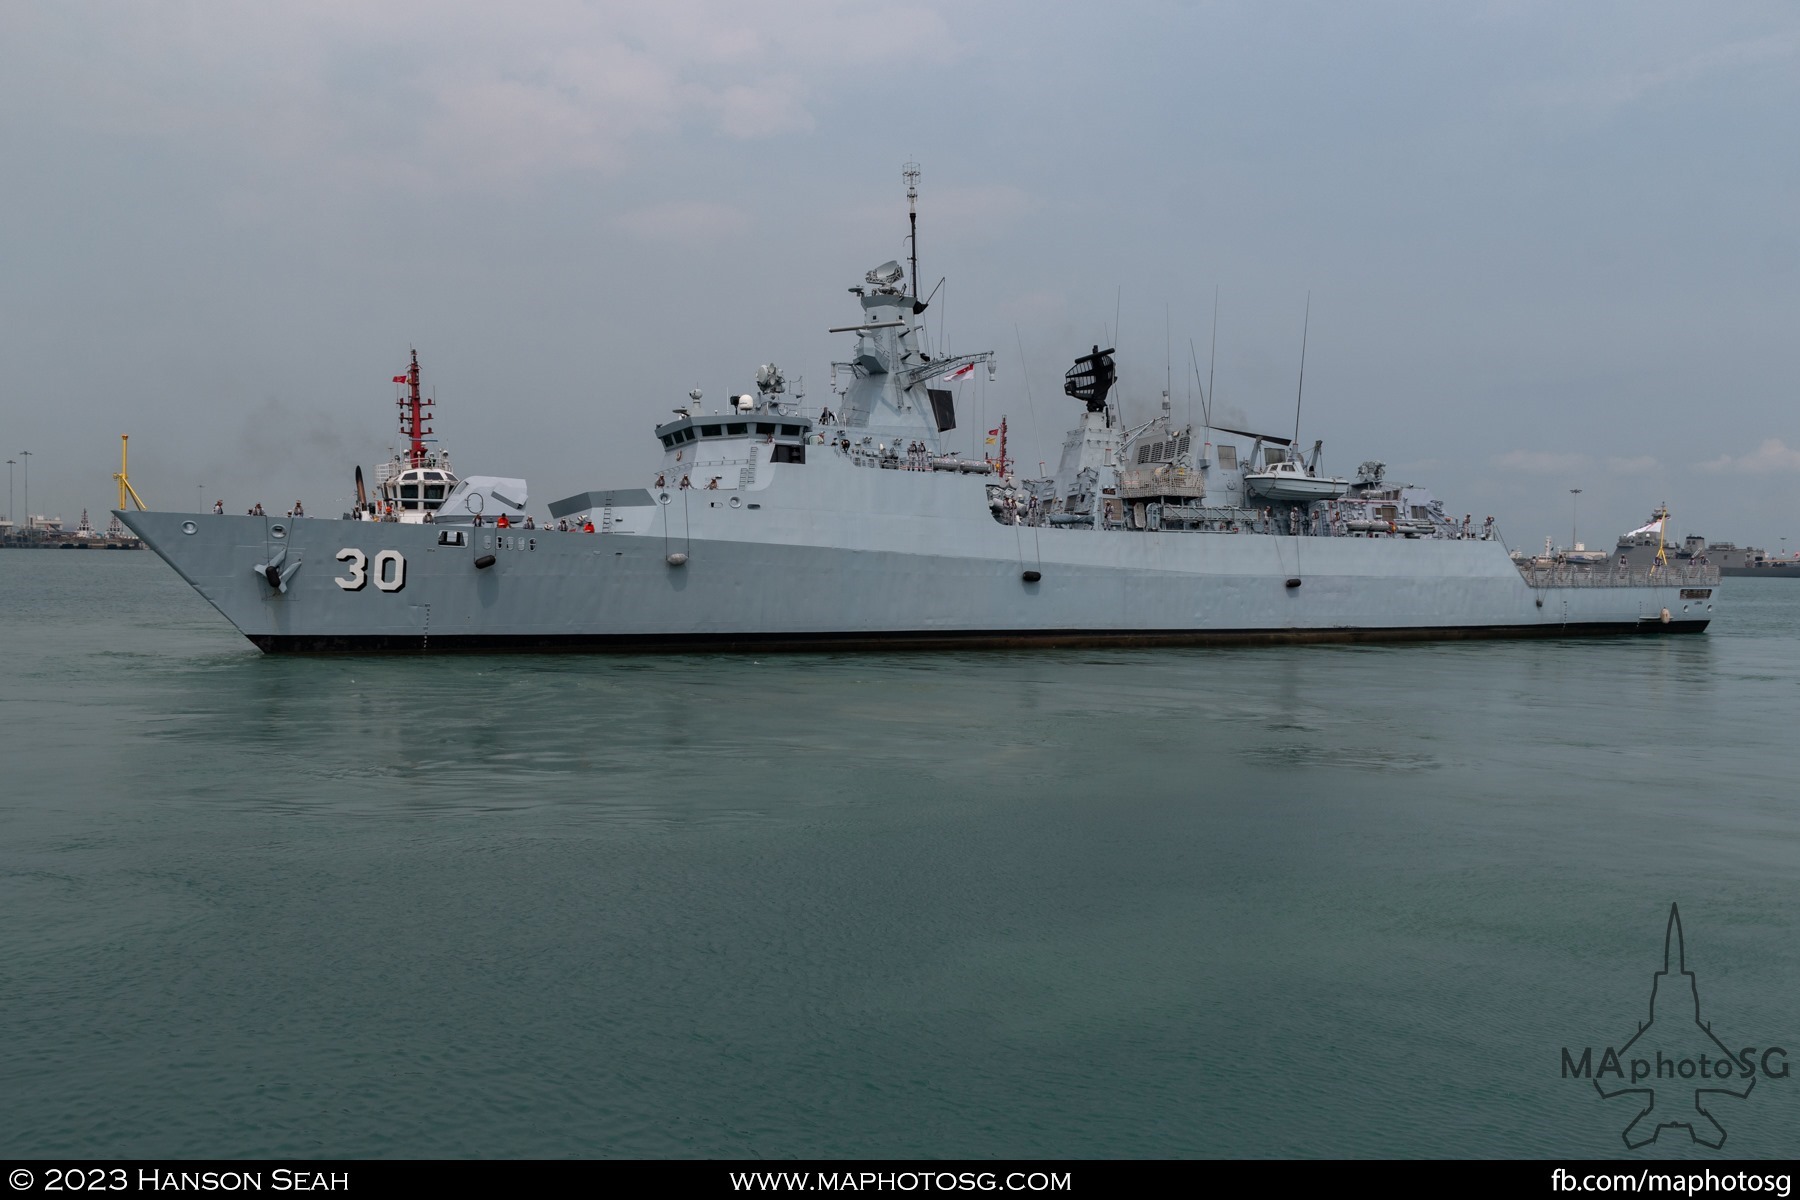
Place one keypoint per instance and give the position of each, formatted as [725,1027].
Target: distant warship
[1647,541]
[871,522]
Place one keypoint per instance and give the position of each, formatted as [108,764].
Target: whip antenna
[910,172]
[1302,389]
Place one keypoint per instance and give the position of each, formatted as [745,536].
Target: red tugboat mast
[412,414]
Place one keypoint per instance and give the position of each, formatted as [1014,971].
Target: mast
[412,415]
[123,476]
[911,174]
[1301,390]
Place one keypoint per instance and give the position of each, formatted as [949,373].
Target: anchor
[274,573]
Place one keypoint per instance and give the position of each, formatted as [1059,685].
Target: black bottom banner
[46,1177]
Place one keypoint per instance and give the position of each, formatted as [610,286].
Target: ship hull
[939,640]
[1783,571]
[895,561]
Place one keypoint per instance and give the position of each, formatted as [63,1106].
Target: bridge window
[434,491]
[738,427]
[792,430]
[765,427]
[669,441]
[409,491]
[710,431]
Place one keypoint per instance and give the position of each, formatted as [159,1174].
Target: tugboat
[120,538]
[85,534]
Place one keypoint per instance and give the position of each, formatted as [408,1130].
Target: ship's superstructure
[414,483]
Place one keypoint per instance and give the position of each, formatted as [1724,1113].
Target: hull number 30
[389,570]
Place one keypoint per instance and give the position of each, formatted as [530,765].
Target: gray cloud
[1548,246]
[1772,455]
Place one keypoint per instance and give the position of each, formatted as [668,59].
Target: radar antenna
[1091,378]
[910,172]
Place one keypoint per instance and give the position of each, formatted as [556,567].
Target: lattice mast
[413,415]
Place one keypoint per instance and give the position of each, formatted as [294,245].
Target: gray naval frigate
[874,522]
[1651,541]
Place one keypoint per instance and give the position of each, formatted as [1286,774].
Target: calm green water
[1311,901]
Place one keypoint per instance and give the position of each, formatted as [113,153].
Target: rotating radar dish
[1091,378]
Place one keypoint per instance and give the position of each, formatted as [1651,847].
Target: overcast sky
[1548,245]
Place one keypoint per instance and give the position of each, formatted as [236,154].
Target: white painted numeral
[359,569]
[390,570]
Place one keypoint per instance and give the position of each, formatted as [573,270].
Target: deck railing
[1161,481]
[1653,576]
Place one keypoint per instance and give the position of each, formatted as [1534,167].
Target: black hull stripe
[924,639]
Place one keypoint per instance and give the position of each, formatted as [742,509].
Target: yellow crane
[125,488]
